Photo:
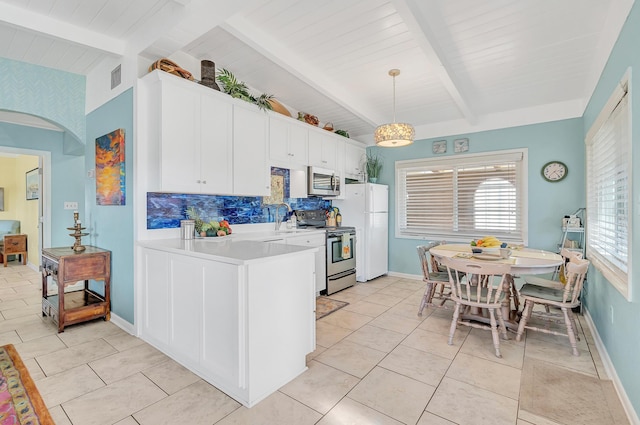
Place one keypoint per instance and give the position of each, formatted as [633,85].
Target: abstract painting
[110,169]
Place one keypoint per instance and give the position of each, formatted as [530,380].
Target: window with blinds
[463,197]
[608,151]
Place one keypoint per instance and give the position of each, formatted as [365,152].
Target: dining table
[522,261]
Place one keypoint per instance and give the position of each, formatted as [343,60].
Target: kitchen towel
[346,246]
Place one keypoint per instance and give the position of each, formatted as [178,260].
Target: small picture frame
[461,145]
[439,146]
[33,184]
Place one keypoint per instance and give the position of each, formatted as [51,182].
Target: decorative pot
[373,179]
[208,74]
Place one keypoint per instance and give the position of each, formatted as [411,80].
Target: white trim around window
[609,192]
[463,197]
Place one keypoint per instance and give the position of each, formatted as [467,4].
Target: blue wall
[67,183]
[56,96]
[111,227]
[621,336]
[548,202]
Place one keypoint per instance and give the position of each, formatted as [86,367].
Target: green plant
[342,133]
[373,165]
[238,89]
[198,221]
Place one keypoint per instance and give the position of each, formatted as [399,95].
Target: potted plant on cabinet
[373,165]
[238,89]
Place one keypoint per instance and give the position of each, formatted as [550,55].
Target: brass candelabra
[77,234]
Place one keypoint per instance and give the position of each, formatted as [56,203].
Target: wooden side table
[67,267]
[15,244]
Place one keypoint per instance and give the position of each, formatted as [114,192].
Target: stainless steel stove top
[317,219]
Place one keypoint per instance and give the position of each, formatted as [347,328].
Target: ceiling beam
[273,49]
[50,27]
[412,15]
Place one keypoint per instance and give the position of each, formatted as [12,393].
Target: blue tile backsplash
[165,210]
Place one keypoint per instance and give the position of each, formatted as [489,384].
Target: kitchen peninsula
[239,313]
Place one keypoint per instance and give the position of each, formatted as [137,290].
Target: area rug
[325,306]
[550,394]
[20,401]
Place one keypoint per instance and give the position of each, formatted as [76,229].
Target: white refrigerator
[366,207]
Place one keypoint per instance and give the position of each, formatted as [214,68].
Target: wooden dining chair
[477,285]
[559,277]
[437,280]
[567,255]
[552,297]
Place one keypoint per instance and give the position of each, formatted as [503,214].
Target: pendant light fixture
[395,134]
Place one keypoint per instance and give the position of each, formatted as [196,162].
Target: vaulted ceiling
[466,65]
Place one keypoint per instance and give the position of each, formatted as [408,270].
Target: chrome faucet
[278,219]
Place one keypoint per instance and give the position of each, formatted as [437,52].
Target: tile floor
[376,362]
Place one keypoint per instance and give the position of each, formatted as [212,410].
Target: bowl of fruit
[488,245]
[217,228]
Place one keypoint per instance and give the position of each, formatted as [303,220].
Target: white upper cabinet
[198,140]
[216,145]
[323,149]
[288,142]
[251,173]
[354,161]
[194,133]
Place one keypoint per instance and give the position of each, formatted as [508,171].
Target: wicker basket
[171,67]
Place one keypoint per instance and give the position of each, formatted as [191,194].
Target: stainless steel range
[341,250]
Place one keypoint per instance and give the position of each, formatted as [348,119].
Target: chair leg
[570,330]
[426,298]
[454,323]
[526,315]
[494,332]
[502,326]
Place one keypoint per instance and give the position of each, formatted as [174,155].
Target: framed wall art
[110,169]
[33,184]
[440,146]
[461,145]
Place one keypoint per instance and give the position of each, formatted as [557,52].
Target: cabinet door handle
[198,181]
[204,182]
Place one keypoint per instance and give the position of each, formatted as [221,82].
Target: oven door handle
[341,275]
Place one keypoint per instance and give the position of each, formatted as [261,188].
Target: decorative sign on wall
[110,169]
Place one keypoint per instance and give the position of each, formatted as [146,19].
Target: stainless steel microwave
[323,182]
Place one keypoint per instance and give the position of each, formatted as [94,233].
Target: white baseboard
[405,275]
[611,371]
[122,324]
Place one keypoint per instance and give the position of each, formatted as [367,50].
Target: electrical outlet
[70,205]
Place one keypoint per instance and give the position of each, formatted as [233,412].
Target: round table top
[522,261]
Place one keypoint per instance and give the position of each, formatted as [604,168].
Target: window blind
[609,189]
[462,197]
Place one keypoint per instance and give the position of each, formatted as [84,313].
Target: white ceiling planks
[466,65]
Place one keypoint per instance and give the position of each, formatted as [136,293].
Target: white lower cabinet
[317,240]
[245,328]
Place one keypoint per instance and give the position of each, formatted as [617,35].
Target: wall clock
[554,171]
[460,145]
[440,146]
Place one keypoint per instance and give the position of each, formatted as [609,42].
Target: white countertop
[241,248]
